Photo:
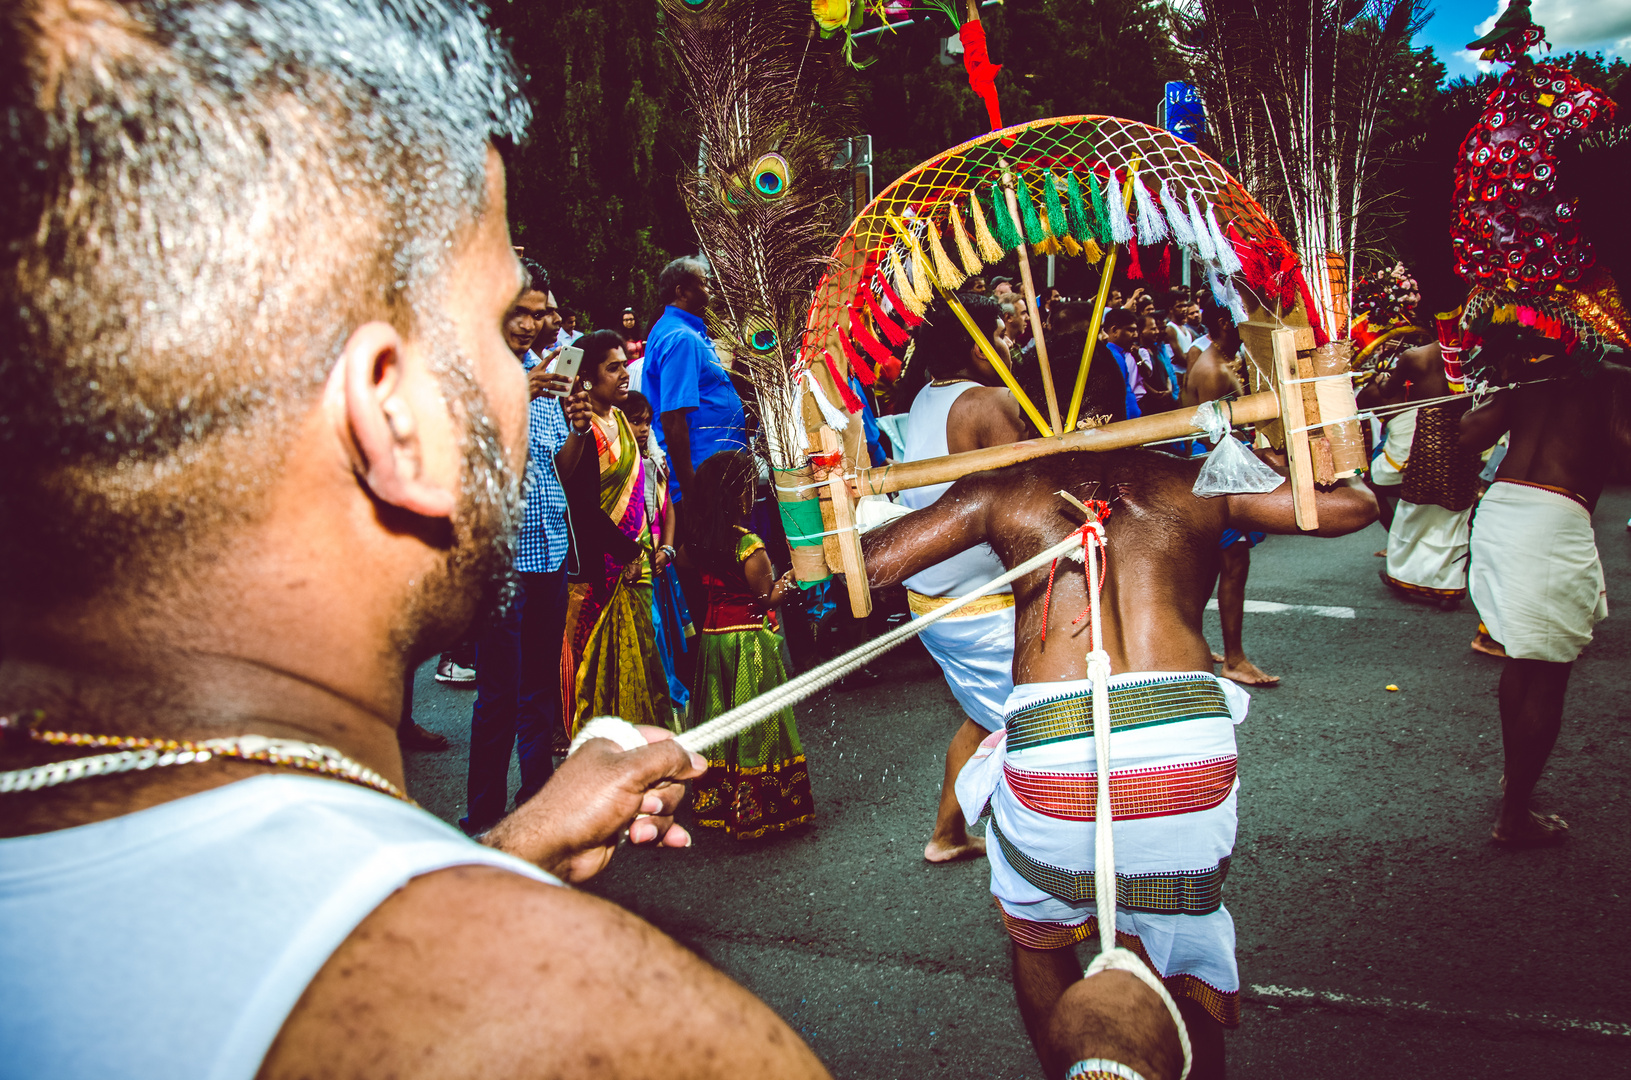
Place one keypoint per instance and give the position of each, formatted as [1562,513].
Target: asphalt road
[1379,931]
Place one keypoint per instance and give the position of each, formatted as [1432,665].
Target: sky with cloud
[1590,25]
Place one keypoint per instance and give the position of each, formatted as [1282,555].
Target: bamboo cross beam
[1139,431]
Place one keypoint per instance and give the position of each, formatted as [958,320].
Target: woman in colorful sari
[609,661]
[757,783]
[669,614]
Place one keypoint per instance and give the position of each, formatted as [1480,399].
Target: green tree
[594,194]
[1059,57]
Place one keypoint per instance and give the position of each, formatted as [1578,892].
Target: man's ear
[382,421]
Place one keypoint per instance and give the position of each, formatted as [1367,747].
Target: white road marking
[1269,607]
[1286,995]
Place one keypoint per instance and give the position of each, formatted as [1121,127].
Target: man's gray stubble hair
[204,199]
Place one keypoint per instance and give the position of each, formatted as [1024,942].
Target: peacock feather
[769,102]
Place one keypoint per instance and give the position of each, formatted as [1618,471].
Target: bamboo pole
[1105,274]
[1139,431]
[1029,288]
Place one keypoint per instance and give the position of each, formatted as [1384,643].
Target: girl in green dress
[757,783]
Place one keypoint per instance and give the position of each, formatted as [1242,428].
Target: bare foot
[936,851]
[1247,673]
[1217,658]
[1487,645]
[1534,831]
[1380,554]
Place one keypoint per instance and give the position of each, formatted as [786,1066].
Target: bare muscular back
[1212,376]
[1561,433]
[1163,552]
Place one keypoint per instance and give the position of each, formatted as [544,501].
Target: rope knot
[1098,665]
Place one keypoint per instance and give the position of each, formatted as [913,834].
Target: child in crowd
[669,615]
[757,783]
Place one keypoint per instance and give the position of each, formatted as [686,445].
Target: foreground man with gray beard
[262,432]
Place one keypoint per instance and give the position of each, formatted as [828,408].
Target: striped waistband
[922,605]
[1134,793]
[1163,700]
[1178,892]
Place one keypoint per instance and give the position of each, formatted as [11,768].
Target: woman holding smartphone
[609,661]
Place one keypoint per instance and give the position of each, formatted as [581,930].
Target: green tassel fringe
[1081,227]
[1034,232]
[1002,222]
[1101,211]
[1057,220]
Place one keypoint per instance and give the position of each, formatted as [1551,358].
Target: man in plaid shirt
[518,656]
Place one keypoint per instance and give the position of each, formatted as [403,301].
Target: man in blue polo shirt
[690,390]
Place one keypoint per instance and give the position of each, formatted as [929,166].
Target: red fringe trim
[1166,264]
[863,337]
[886,325]
[862,369]
[852,404]
[1134,270]
[901,309]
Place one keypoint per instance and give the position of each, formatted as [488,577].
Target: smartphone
[566,363]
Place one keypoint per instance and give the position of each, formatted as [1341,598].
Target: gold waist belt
[985,605]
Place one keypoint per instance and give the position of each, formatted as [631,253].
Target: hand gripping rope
[1091,538]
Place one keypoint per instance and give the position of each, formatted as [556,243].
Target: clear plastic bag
[1230,468]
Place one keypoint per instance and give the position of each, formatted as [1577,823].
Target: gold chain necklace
[128,753]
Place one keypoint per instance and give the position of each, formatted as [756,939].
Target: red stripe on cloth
[1136,793]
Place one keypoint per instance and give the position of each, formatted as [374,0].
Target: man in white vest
[262,436]
[963,407]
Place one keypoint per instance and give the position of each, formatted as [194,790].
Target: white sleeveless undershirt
[173,942]
[926,438]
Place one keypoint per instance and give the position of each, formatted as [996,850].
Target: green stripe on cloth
[1132,705]
[1182,892]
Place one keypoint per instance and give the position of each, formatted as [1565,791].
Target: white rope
[728,724]
[810,487]
[817,536]
[1320,378]
[1104,841]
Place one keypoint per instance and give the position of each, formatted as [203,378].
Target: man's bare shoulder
[983,401]
[984,416]
[473,971]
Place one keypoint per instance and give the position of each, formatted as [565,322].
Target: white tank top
[174,941]
[926,438]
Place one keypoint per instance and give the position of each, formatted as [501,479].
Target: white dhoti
[1427,549]
[1387,468]
[1173,790]
[1535,576]
[975,650]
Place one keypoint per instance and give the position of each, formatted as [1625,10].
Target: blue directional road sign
[1182,112]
